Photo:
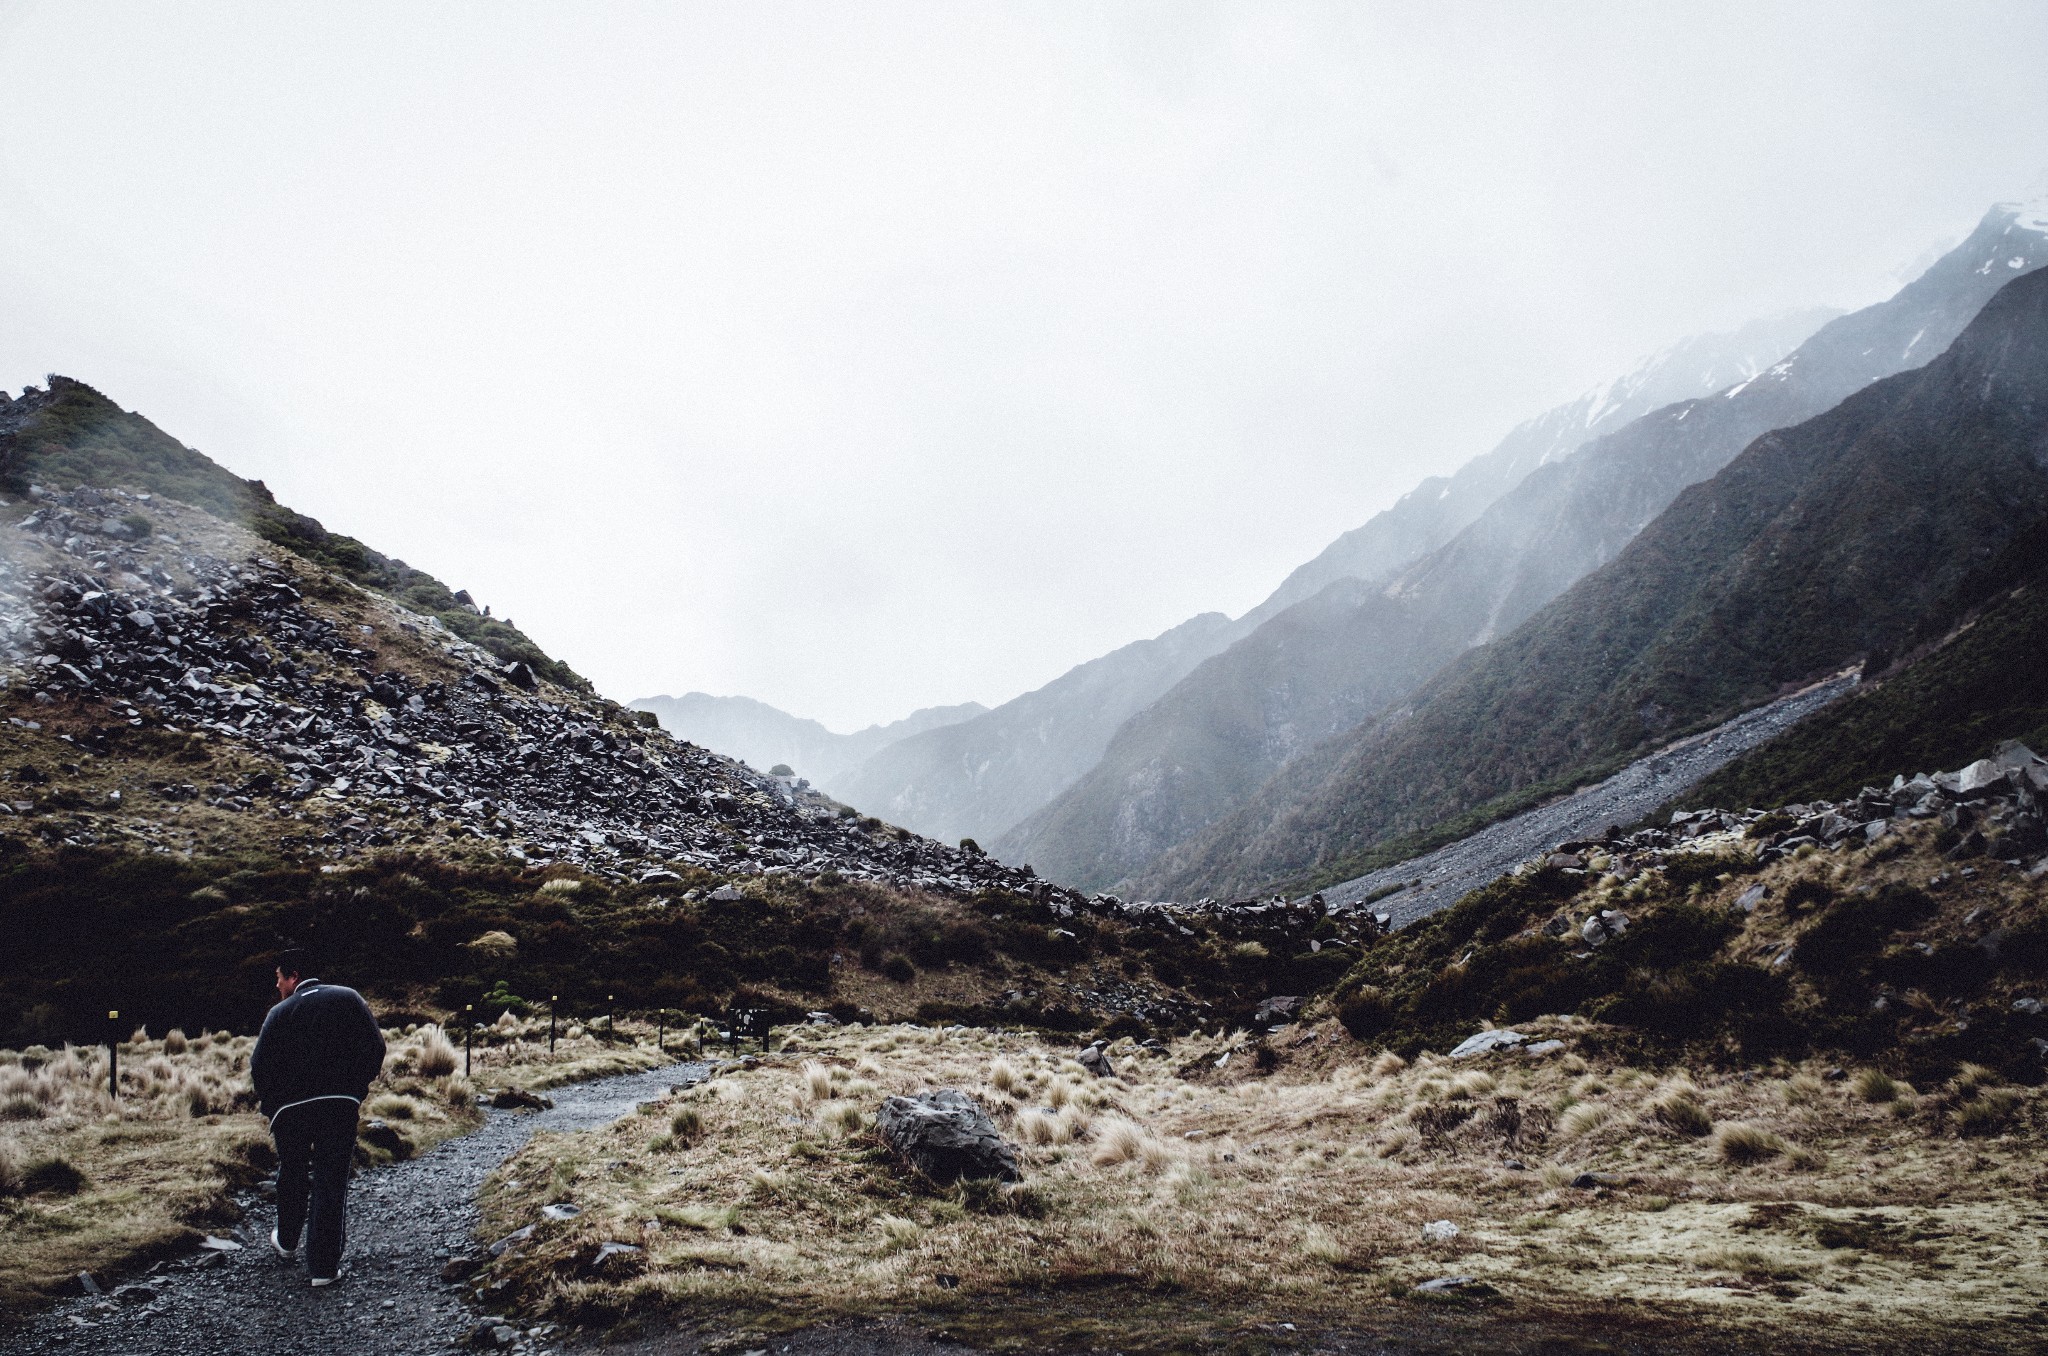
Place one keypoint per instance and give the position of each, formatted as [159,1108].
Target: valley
[1601,905]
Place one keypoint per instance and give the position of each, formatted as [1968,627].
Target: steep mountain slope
[764,736]
[973,779]
[71,435]
[1984,680]
[1437,509]
[1821,543]
[1234,721]
[982,779]
[213,744]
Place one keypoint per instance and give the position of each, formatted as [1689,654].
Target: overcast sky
[864,357]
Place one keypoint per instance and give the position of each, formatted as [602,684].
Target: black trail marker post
[611,1027]
[114,1054]
[468,1031]
[661,1032]
[553,999]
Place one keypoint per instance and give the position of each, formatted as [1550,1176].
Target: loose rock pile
[1995,805]
[142,634]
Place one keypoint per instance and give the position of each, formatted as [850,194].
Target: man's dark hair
[296,960]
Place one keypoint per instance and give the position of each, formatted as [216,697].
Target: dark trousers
[315,1142]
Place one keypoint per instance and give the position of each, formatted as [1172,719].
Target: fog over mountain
[983,774]
[910,355]
[765,738]
[1320,668]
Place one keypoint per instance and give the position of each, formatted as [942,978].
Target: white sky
[863,357]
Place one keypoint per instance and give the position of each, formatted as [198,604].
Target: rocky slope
[379,723]
[1420,886]
[766,738]
[1823,542]
[1903,924]
[1301,679]
[211,743]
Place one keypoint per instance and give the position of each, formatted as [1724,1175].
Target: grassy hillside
[72,435]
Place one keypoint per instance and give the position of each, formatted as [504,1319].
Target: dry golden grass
[1304,1191]
[88,1183]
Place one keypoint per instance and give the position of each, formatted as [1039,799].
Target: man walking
[312,1066]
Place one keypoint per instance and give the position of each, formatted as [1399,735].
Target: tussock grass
[437,1056]
[1743,1143]
[1583,1118]
[1679,1110]
[1303,1188]
[1875,1085]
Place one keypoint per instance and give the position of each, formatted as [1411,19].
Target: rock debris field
[1441,878]
[406,1222]
[160,631]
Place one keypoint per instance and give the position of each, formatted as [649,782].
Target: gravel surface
[1448,873]
[405,1221]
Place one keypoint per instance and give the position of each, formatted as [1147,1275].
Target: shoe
[319,1281]
[284,1254]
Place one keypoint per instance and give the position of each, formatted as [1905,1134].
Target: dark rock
[516,1238]
[380,1135]
[511,1099]
[610,1261]
[459,1269]
[946,1136]
[1095,1059]
[1277,1010]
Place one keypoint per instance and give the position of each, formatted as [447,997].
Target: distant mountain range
[988,773]
[765,738]
[1321,668]
[1227,755]
[1822,544]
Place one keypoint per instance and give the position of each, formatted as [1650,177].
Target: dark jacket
[320,1042]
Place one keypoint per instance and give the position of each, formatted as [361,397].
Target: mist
[863,359]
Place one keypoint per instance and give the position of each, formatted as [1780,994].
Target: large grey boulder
[1095,1059]
[946,1136]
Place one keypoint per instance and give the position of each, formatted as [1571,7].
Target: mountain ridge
[1169,775]
[1820,542]
[765,736]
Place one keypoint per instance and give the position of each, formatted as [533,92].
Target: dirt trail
[405,1221]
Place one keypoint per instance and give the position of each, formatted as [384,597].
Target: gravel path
[1451,871]
[405,1221]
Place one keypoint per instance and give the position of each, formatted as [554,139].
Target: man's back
[320,1042]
